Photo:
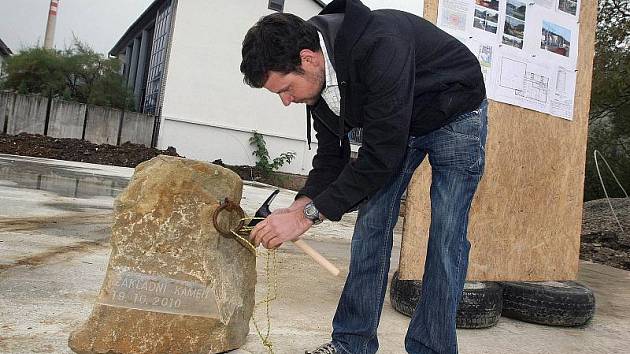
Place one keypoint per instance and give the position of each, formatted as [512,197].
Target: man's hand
[279,227]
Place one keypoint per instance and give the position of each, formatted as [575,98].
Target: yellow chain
[271,273]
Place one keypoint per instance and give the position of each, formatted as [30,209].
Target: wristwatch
[311,213]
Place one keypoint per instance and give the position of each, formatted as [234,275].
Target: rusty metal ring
[229,206]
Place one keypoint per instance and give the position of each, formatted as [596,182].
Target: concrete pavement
[54,248]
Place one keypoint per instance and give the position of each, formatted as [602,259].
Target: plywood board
[526,217]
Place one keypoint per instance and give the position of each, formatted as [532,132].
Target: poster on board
[527,49]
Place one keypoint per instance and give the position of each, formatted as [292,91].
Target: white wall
[208,112]
[415,7]
[203,142]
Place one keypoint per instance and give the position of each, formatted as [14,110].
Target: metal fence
[57,118]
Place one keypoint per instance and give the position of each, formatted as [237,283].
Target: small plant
[266,165]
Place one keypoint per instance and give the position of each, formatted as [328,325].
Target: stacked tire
[553,303]
[479,307]
[565,303]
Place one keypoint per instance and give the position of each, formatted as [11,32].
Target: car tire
[479,307]
[552,303]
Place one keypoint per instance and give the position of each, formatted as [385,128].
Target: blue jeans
[457,156]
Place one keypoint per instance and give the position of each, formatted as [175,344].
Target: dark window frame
[157,62]
[276,5]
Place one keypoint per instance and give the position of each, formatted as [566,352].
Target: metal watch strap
[311,213]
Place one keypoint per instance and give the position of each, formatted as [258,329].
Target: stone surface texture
[163,233]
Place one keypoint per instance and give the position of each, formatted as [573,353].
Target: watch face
[311,212]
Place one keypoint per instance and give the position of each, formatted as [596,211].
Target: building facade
[4,52]
[182,58]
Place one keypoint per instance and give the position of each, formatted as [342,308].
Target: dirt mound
[127,154]
[602,239]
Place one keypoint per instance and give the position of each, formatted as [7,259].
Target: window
[158,59]
[276,5]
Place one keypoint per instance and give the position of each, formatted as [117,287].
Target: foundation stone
[173,283]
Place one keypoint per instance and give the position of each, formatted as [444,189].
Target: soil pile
[602,239]
[250,173]
[126,155]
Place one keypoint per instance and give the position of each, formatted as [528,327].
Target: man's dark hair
[274,44]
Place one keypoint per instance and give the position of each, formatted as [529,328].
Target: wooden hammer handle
[317,257]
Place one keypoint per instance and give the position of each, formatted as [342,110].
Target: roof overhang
[4,50]
[147,17]
[144,20]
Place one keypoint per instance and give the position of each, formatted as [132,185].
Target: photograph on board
[486,20]
[568,6]
[555,39]
[515,9]
[490,4]
[513,41]
[514,27]
[454,20]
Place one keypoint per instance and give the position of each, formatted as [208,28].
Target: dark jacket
[399,75]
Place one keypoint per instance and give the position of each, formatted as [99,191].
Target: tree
[609,120]
[77,73]
[34,70]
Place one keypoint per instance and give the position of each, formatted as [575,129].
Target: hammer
[264,211]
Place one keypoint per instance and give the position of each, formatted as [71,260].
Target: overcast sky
[98,23]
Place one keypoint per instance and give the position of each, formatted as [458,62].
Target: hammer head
[264,210]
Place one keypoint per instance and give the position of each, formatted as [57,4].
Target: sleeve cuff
[332,210]
[306,192]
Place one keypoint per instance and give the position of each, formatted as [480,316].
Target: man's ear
[308,57]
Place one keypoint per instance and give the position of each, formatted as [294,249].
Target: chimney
[50,26]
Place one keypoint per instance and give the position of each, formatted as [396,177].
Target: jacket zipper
[342,115]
